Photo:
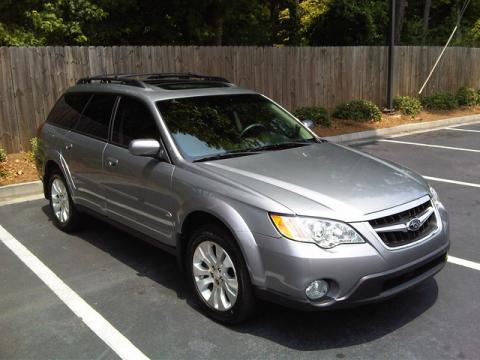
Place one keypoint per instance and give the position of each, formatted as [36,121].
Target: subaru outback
[250,200]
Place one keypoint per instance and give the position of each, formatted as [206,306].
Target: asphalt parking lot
[138,291]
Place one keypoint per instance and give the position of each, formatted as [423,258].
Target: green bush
[467,97]
[3,155]
[442,100]
[358,110]
[318,114]
[407,105]
[33,154]
[3,158]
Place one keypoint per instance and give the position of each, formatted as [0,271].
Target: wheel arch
[50,167]
[227,217]
[56,161]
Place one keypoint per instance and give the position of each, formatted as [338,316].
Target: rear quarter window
[96,116]
[67,110]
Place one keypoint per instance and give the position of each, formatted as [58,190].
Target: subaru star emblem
[414,224]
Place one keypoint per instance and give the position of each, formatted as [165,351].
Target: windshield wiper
[227,155]
[285,145]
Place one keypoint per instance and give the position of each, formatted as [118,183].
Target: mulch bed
[340,127]
[19,168]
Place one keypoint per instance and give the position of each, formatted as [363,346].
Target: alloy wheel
[215,276]
[60,200]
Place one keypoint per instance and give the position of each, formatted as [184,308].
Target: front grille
[412,274]
[404,237]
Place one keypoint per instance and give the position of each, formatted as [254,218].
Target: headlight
[434,195]
[325,233]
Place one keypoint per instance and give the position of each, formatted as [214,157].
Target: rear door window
[133,120]
[96,117]
[67,110]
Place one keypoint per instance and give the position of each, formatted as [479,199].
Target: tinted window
[67,110]
[96,116]
[133,120]
[212,125]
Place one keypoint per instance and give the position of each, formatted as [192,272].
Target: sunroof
[186,85]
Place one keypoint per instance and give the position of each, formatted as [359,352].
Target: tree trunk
[216,17]
[219,31]
[426,19]
[401,5]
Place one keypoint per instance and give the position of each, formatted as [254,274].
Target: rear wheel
[65,215]
[219,275]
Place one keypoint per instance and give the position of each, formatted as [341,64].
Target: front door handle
[68,147]
[112,162]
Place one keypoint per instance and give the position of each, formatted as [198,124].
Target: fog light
[317,289]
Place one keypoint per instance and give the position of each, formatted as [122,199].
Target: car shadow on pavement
[331,329]
[146,259]
[304,331]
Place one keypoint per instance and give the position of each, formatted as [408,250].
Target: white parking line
[467,130]
[451,181]
[95,321]
[462,262]
[430,145]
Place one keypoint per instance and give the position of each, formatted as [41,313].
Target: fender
[57,158]
[234,221]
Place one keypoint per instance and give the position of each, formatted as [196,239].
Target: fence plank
[9,131]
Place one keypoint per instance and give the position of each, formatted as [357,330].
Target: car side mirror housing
[147,147]
[308,123]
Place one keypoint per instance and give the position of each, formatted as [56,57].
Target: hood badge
[414,224]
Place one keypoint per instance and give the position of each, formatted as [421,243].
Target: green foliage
[349,22]
[232,22]
[3,158]
[467,97]
[358,110]
[442,100]
[63,20]
[3,155]
[55,22]
[33,154]
[407,105]
[17,37]
[318,114]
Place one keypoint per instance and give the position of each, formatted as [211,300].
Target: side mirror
[308,123]
[147,147]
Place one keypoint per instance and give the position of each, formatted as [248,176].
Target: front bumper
[357,273]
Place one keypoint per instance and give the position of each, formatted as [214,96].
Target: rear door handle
[68,147]
[112,162]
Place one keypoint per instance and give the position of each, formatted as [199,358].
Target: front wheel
[65,215]
[219,275]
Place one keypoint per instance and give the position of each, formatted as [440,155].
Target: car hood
[324,179]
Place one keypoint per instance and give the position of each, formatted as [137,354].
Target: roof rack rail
[141,80]
[184,76]
[110,79]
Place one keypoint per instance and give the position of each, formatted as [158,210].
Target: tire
[64,214]
[217,297]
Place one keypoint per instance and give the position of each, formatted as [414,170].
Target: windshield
[215,125]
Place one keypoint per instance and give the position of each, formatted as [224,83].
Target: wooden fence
[31,79]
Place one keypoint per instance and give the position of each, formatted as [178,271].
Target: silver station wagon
[252,203]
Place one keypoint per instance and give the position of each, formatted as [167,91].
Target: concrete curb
[403,129]
[9,192]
